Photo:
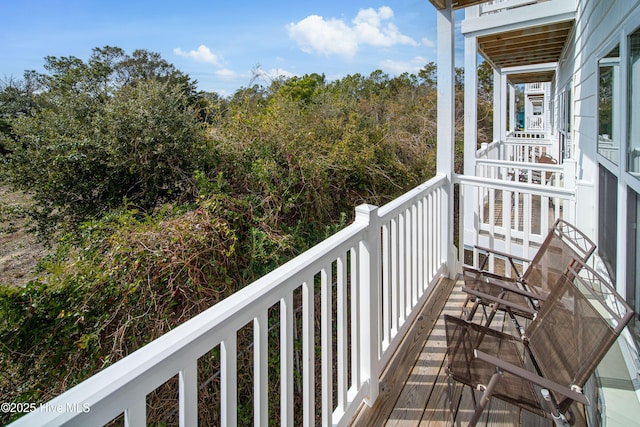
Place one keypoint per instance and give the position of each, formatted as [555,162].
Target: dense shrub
[143,144]
[118,284]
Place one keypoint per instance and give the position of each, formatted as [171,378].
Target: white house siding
[598,28]
[600,25]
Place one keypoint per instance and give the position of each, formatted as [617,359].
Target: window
[564,122]
[608,97]
[633,136]
[608,219]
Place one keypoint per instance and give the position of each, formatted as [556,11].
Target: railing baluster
[492,225]
[526,226]
[395,291]
[355,319]
[260,370]
[188,394]
[414,255]
[229,381]
[326,346]
[408,279]
[420,255]
[136,414]
[386,288]
[435,230]
[343,345]
[308,354]
[437,234]
[506,222]
[286,360]
[544,215]
[402,280]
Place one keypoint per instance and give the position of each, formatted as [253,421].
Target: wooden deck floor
[415,394]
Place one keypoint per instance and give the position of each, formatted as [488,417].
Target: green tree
[97,138]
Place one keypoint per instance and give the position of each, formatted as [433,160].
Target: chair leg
[452,413]
[472,312]
[516,324]
[558,418]
[486,396]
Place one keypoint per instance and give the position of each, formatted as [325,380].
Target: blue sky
[219,43]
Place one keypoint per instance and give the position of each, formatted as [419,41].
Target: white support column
[497,97]
[512,108]
[470,235]
[503,106]
[446,126]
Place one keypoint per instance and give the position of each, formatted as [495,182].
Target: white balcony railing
[535,87]
[527,135]
[535,123]
[496,6]
[514,198]
[523,147]
[511,216]
[368,278]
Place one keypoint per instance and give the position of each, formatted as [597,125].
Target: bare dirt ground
[19,250]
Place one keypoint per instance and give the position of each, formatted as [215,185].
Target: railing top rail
[527,141]
[498,184]
[504,4]
[395,206]
[521,165]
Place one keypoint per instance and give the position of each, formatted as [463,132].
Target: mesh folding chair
[544,371]
[522,295]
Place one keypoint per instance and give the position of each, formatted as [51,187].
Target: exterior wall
[598,28]
[601,25]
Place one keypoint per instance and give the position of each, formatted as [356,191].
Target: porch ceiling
[528,46]
[533,77]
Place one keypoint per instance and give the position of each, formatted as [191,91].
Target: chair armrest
[530,376]
[514,289]
[500,301]
[502,254]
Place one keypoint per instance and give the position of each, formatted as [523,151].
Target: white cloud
[428,43]
[315,34]
[398,67]
[226,74]
[334,36]
[202,54]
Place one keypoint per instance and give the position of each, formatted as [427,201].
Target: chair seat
[494,286]
[464,337]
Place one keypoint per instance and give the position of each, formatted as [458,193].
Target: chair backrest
[576,326]
[563,244]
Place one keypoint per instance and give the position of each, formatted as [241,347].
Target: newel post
[369,283]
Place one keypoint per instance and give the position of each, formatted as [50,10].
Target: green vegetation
[162,200]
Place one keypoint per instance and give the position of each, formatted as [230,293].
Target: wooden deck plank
[398,370]
[425,378]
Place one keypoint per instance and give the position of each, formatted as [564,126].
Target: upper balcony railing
[536,87]
[535,123]
[343,305]
[496,6]
[520,146]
